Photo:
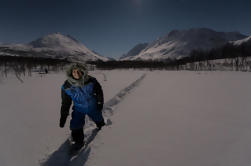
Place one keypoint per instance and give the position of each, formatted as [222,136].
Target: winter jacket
[85,98]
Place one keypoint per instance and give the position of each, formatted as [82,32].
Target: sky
[113,27]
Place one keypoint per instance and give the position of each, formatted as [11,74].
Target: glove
[62,121]
[100,107]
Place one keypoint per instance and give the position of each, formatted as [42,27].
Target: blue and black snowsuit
[88,100]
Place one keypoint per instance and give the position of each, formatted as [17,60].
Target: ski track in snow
[60,157]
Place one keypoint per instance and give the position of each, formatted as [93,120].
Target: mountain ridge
[54,45]
[179,43]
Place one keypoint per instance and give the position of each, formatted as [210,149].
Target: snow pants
[78,121]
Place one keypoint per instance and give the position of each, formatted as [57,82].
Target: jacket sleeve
[98,92]
[66,102]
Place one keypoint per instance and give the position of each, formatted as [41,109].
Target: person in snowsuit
[87,96]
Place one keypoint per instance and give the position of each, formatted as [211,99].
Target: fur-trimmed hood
[83,69]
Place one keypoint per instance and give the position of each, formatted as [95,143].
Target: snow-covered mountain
[242,41]
[134,51]
[179,43]
[54,45]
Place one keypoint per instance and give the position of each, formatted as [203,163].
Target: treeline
[237,54]
[25,65]
[227,51]
[228,57]
[150,64]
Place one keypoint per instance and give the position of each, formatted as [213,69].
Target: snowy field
[180,118]
[30,111]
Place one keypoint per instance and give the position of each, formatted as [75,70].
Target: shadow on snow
[61,157]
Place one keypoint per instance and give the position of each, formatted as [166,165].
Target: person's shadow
[61,157]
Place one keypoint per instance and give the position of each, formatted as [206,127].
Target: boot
[100,125]
[78,136]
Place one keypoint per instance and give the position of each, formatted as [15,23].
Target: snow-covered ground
[181,118]
[29,116]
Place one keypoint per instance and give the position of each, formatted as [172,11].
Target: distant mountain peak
[241,41]
[135,50]
[72,38]
[54,40]
[56,45]
[179,43]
